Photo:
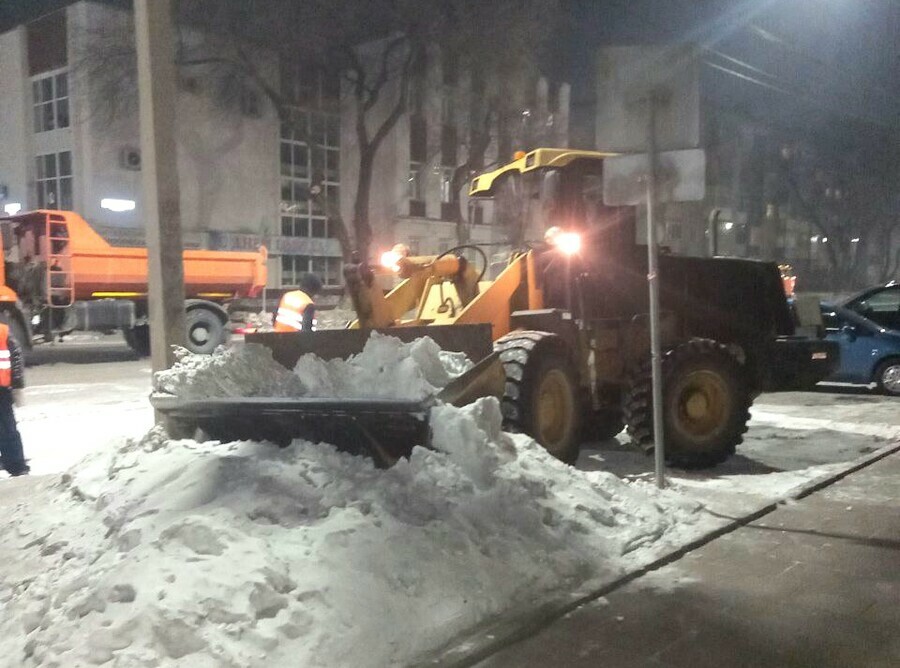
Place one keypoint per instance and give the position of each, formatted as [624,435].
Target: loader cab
[557,188]
[562,188]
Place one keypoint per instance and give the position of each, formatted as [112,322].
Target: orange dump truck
[60,276]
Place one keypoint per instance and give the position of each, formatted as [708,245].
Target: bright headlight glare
[391,260]
[568,242]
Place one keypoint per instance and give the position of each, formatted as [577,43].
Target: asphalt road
[91,392]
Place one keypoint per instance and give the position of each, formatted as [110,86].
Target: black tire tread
[637,407]
[519,351]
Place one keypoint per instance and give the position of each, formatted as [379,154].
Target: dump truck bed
[101,270]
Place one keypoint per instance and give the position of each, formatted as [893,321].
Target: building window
[448,144]
[416,190]
[448,208]
[50,96]
[308,85]
[418,138]
[54,181]
[477,217]
[328,269]
[310,156]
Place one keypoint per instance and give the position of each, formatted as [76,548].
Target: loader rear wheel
[541,397]
[706,405]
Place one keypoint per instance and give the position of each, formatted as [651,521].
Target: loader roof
[539,158]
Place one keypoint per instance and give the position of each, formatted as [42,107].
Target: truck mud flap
[383,430]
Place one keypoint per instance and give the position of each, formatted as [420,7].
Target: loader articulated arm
[441,290]
[453,277]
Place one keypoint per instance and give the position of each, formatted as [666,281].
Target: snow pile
[245,370]
[178,553]
[386,368]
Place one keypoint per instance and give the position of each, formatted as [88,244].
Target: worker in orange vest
[12,380]
[297,308]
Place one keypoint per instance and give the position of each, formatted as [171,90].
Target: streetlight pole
[159,166]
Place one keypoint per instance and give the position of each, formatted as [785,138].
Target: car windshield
[881,307]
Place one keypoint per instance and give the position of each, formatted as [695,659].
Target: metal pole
[160,201]
[714,231]
[653,284]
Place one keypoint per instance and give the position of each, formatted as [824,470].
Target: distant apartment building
[746,211]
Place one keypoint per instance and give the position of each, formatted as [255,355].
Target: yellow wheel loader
[560,334]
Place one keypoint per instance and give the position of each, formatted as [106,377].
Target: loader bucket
[385,430]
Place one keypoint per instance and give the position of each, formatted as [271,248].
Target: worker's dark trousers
[10,442]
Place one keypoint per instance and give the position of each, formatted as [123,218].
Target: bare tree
[852,201]
[501,48]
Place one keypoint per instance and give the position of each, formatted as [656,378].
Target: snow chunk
[386,368]
[245,370]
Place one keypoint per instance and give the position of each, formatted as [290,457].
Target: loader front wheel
[706,405]
[541,397]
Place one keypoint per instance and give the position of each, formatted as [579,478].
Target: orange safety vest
[291,308]
[5,357]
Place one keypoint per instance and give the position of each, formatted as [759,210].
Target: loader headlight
[567,242]
[391,259]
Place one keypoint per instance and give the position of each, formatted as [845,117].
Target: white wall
[15,119]
[227,161]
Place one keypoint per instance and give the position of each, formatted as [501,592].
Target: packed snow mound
[178,553]
[386,368]
[245,370]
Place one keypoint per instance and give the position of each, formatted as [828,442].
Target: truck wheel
[541,397]
[887,376]
[205,331]
[706,405]
[138,339]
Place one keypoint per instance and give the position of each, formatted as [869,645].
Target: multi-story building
[69,138]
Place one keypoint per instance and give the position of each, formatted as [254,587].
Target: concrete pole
[162,214]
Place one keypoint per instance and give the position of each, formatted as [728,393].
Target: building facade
[249,172]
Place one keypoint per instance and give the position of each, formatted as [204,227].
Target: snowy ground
[178,553]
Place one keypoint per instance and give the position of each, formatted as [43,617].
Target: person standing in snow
[12,380]
[297,308]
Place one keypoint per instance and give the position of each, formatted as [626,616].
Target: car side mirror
[849,331]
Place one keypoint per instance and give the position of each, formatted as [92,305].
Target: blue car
[867,328]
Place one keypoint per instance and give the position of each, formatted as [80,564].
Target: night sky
[814,66]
